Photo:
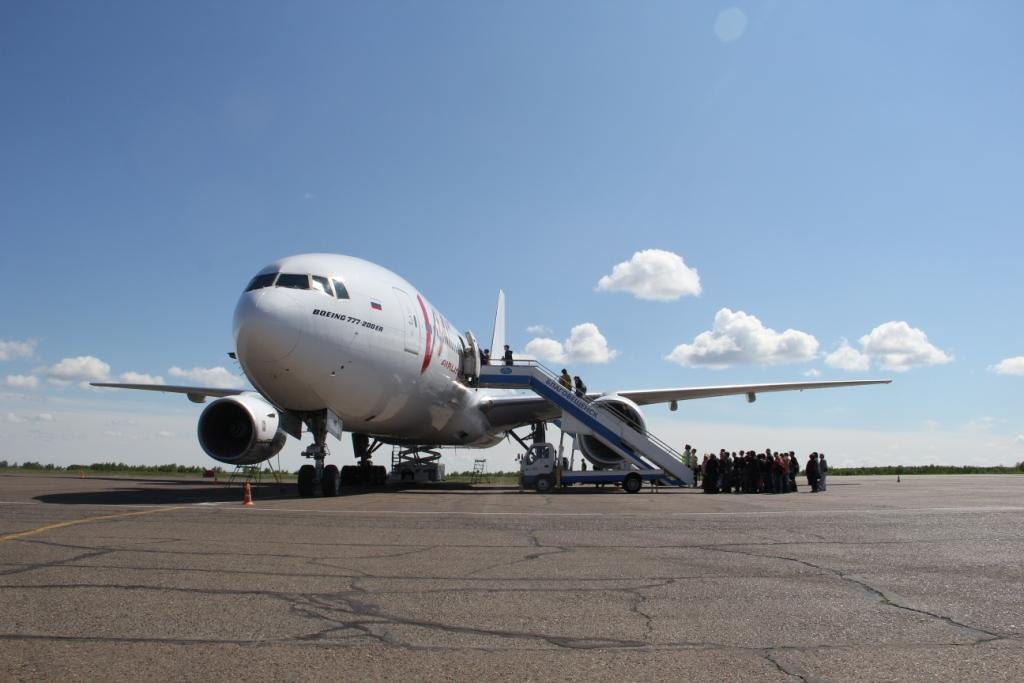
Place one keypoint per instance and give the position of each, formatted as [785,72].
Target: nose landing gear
[317,475]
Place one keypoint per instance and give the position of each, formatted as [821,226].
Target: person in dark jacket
[711,475]
[813,473]
[507,357]
[822,472]
[794,469]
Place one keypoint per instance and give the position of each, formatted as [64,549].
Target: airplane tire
[332,478]
[632,483]
[543,484]
[307,481]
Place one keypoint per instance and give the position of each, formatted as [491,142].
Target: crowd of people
[750,472]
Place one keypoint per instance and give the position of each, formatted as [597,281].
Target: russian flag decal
[375,305]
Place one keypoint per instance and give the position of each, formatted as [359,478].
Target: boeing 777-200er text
[334,343]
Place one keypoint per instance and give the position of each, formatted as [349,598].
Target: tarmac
[873,580]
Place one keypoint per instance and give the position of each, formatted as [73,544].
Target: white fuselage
[380,357]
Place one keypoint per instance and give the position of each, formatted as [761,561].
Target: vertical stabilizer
[498,338]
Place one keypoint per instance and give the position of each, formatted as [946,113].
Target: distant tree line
[110,467]
[926,469]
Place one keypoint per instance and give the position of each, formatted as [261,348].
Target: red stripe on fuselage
[429,352]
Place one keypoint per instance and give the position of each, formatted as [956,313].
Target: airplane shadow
[164,492]
[190,492]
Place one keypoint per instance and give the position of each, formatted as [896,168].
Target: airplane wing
[195,394]
[643,397]
[509,412]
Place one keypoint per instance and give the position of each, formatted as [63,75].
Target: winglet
[498,338]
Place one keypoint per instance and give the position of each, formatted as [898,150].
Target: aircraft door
[410,324]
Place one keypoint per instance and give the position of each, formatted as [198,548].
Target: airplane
[335,344]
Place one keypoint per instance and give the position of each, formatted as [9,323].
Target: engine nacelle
[241,430]
[593,449]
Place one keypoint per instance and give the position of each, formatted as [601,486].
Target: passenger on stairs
[508,355]
[581,388]
[565,379]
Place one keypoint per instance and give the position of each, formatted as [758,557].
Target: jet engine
[241,430]
[593,449]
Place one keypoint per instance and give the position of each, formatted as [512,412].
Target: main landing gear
[365,473]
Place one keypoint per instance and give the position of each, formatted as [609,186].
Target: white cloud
[217,378]
[538,329]
[813,372]
[848,358]
[11,349]
[730,24]
[738,337]
[585,344]
[981,424]
[898,347]
[140,378]
[78,369]
[654,275]
[21,381]
[1020,439]
[1009,366]
[545,349]
[39,417]
[164,434]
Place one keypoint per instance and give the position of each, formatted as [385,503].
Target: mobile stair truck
[644,457]
[542,470]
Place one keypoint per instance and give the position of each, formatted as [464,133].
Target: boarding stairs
[581,416]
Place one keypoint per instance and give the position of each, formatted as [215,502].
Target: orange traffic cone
[248,495]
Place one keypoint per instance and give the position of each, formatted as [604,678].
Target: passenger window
[293,281]
[321,284]
[261,281]
[339,290]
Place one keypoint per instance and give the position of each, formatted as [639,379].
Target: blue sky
[823,167]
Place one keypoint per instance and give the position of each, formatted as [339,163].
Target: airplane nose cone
[267,328]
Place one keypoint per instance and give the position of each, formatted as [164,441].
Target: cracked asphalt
[874,580]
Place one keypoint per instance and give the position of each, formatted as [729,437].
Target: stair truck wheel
[632,483]
[330,482]
[544,484]
[307,477]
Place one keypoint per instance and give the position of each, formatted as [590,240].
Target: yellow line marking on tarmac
[84,520]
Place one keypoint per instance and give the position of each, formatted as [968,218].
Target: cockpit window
[321,284]
[339,290]
[293,281]
[261,281]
